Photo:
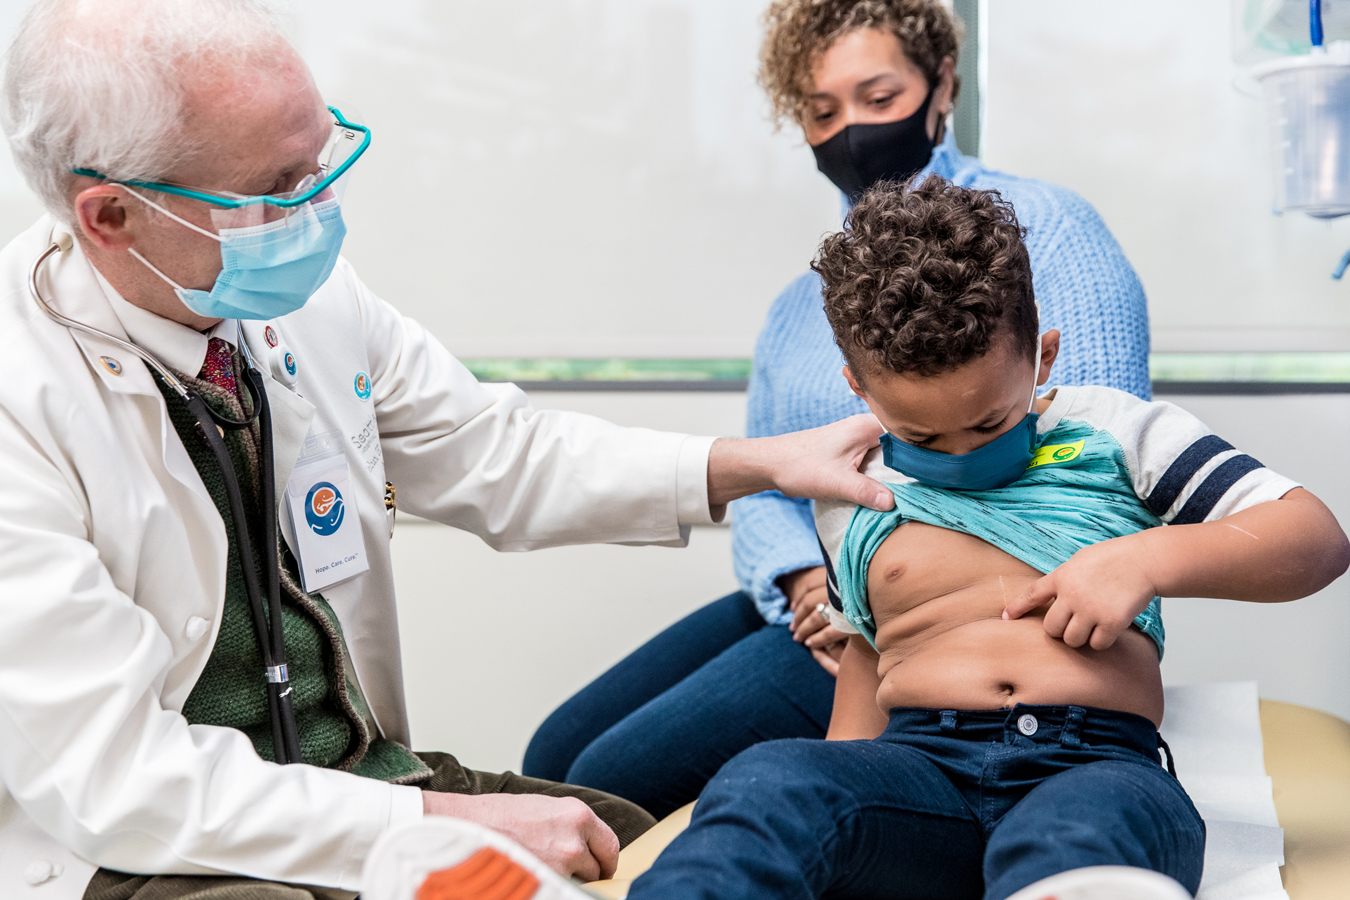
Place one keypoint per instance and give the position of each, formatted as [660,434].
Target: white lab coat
[113,557]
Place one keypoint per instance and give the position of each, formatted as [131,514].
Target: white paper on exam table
[1215,731]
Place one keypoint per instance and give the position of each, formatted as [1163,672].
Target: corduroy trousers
[627,819]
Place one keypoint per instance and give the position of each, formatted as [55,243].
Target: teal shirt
[1077,492]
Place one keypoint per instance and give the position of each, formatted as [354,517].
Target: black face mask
[861,155]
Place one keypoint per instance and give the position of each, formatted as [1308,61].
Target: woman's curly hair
[799,31]
[924,277]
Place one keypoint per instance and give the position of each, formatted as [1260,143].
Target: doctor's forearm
[820,464]
[737,467]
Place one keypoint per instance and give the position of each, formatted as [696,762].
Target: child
[996,713]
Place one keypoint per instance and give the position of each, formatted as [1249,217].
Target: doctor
[189,363]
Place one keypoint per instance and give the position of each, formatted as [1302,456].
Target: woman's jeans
[658,725]
[944,804]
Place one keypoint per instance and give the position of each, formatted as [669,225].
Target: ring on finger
[820,611]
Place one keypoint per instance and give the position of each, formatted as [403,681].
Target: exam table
[1307,756]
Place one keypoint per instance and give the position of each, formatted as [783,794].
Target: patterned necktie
[219,366]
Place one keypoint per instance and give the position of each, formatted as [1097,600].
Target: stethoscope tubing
[270,634]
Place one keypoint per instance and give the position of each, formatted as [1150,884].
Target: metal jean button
[1027,724]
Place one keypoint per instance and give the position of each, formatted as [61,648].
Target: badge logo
[324,509]
[271,335]
[362,385]
[1056,453]
[290,363]
[111,364]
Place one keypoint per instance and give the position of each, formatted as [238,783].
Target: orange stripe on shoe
[486,875]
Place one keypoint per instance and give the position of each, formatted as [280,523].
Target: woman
[871,84]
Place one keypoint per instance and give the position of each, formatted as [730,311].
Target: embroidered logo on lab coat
[324,509]
[362,385]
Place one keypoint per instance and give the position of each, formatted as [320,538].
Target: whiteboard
[592,178]
[559,177]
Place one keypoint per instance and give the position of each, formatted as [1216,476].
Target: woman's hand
[806,593]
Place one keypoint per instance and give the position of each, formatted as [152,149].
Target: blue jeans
[658,725]
[944,804]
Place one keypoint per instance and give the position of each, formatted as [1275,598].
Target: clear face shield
[316,193]
[321,189]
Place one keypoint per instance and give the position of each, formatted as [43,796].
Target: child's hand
[1093,597]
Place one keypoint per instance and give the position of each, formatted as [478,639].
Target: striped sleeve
[1182,471]
[832,521]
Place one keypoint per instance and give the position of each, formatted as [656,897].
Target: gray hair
[99,84]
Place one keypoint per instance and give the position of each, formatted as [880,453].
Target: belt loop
[1171,760]
[948,724]
[1073,723]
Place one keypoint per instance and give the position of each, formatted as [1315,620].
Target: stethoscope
[212,425]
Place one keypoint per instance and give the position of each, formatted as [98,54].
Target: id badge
[321,506]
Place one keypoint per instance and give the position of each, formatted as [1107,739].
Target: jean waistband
[1069,726]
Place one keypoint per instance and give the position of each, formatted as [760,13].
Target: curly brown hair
[799,31]
[923,278]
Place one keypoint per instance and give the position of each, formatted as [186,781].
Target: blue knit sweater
[1085,288]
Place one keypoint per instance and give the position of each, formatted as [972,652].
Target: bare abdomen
[990,663]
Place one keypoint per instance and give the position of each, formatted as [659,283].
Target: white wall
[1133,105]
[489,652]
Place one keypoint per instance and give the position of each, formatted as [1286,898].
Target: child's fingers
[1079,631]
[1103,636]
[1057,618]
[1041,593]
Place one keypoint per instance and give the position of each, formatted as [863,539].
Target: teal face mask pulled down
[1073,495]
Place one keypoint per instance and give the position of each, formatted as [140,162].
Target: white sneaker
[1104,883]
[440,858]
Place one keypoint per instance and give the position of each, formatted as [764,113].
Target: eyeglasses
[345,145]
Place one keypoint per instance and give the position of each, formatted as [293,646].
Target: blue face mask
[997,464]
[269,269]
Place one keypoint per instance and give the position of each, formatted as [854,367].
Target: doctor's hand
[561,831]
[819,464]
[1094,596]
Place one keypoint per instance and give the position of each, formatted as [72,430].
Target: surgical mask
[268,269]
[861,155]
[997,464]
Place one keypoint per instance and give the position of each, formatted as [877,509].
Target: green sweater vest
[336,728]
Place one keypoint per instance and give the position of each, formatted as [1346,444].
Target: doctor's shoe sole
[440,858]
[1104,883]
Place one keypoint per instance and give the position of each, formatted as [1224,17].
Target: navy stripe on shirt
[1182,470]
[831,586]
[1202,502]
